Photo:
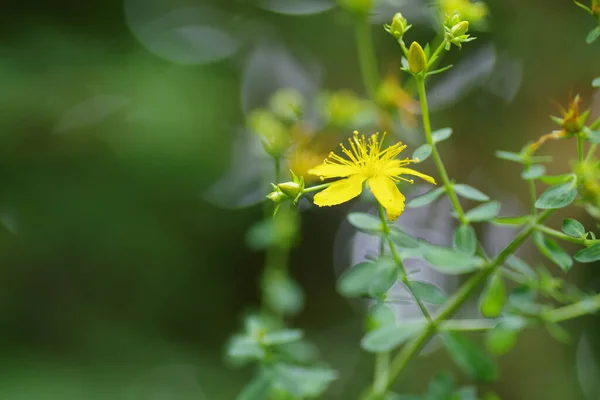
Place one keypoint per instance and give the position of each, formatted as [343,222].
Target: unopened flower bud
[287,104]
[417,60]
[291,189]
[460,29]
[398,27]
[277,196]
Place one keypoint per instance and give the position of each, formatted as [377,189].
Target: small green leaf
[368,278]
[380,315]
[509,156]
[389,337]
[402,239]
[558,196]
[533,172]
[303,382]
[428,292]
[441,135]
[596,82]
[593,35]
[557,179]
[589,254]
[449,261]
[440,387]
[484,212]
[469,192]
[465,240]
[511,221]
[504,336]
[422,152]
[258,388]
[427,198]
[573,228]
[283,294]
[243,348]
[592,136]
[520,266]
[553,251]
[558,333]
[493,297]
[282,337]
[477,364]
[365,222]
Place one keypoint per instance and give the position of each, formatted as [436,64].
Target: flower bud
[417,60]
[287,104]
[273,133]
[277,196]
[398,27]
[460,29]
[291,189]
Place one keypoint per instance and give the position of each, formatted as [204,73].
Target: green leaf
[503,337]
[303,382]
[427,198]
[258,388]
[402,239]
[422,152]
[243,348]
[509,156]
[449,261]
[592,136]
[557,179]
[596,82]
[493,297]
[365,222]
[593,35]
[553,251]
[558,333]
[469,192]
[477,364]
[368,278]
[520,266]
[484,212]
[282,337]
[380,315]
[558,196]
[441,386]
[428,292]
[441,134]
[589,254]
[511,221]
[389,337]
[465,393]
[573,228]
[533,172]
[283,294]
[465,240]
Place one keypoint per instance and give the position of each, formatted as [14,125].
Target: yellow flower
[366,162]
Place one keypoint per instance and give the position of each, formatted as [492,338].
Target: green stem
[567,238]
[434,57]
[586,306]
[317,187]
[380,379]
[366,56]
[398,261]
[277,167]
[591,151]
[580,148]
[401,360]
[469,325]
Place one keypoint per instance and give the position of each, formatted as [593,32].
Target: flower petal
[340,192]
[330,170]
[395,171]
[387,194]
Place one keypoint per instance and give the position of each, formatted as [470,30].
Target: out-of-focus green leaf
[422,152]
[465,240]
[427,198]
[509,156]
[558,196]
[573,228]
[493,297]
[596,82]
[428,292]
[553,251]
[365,222]
[283,294]
[303,382]
[368,278]
[469,192]
[520,266]
[589,254]
[380,315]
[511,221]
[504,336]
[441,134]
[389,337]
[402,239]
[477,364]
[282,337]
[593,35]
[533,172]
[450,261]
[484,212]
[257,389]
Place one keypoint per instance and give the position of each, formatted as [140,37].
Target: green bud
[460,29]
[273,133]
[287,104]
[398,27]
[417,60]
[362,7]
[277,196]
[291,189]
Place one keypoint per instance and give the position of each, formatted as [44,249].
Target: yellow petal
[387,194]
[340,192]
[407,171]
[328,170]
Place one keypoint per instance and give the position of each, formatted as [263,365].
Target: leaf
[504,336]
[402,239]
[553,251]
[368,278]
[283,294]
[303,382]
[243,348]
[389,337]
[520,266]
[484,212]
[573,228]
[558,196]
[557,179]
[596,82]
[477,364]
[593,35]
[493,297]
[589,254]
[422,152]
[427,198]
[449,261]
[533,172]
[469,192]
[465,240]
[441,134]
[257,389]
[558,333]
[510,156]
[428,292]
[511,221]
[380,315]
[282,337]
[365,222]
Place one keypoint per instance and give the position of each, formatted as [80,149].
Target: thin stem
[585,306]
[591,151]
[401,360]
[433,59]
[398,261]
[469,325]
[567,238]
[382,363]
[580,148]
[317,187]
[277,167]
[366,55]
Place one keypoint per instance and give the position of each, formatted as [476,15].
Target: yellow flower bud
[417,60]
[398,27]
[460,29]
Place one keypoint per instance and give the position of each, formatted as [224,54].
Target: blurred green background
[120,280]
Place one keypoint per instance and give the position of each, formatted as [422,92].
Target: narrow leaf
[389,337]
[449,261]
[553,251]
[465,240]
[365,222]
[441,135]
[477,364]
[558,196]
[520,266]
[593,35]
[510,156]
[469,192]
[422,152]
[282,337]
[427,198]
[483,212]
[557,179]
[573,228]
[511,221]
[493,297]
[402,239]
[428,292]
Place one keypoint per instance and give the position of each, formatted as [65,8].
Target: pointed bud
[460,29]
[398,27]
[417,60]
[291,189]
